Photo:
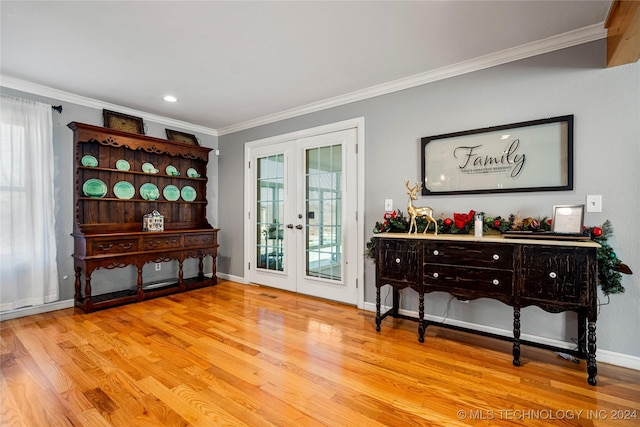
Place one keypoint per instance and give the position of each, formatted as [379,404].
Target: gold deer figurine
[417,211]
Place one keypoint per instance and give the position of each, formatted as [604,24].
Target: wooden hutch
[110,204]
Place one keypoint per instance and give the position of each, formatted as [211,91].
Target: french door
[302,219]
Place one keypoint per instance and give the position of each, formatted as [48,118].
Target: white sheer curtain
[28,270]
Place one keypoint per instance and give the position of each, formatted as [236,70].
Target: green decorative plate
[124,190]
[172,171]
[171,193]
[89,161]
[188,193]
[149,191]
[192,173]
[94,188]
[149,168]
[123,165]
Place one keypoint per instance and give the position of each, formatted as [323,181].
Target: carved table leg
[77,285]
[200,267]
[378,319]
[516,336]
[421,326]
[592,367]
[139,283]
[88,303]
[180,274]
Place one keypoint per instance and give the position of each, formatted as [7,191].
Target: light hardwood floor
[253,356]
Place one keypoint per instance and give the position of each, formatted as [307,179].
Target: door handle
[299,226]
[289,225]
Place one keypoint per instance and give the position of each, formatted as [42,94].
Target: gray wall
[104,280]
[606,105]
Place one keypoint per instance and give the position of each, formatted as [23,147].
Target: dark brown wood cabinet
[553,275]
[110,202]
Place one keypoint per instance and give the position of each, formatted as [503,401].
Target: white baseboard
[39,309]
[59,305]
[605,356]
[231,278]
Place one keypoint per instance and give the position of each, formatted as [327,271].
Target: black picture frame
[178,136]
[535,155]
[568,219]
[122,122]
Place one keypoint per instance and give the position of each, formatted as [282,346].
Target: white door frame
[358,124]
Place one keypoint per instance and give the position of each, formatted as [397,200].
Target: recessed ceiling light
[170,98]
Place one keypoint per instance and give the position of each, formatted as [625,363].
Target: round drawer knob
[435,275]
[496,282]
[436,252]
[397,260]
[496,257]
[552,275]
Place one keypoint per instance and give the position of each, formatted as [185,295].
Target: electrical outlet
[158,266]
[388,205]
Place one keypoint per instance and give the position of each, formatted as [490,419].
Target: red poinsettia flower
[462,219]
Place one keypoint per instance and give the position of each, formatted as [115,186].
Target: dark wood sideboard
[556,276]
[107,229]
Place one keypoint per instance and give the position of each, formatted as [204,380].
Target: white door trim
[358,124]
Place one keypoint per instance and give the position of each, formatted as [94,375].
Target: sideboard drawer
[485,281]
[161,242]
[198,240]
[470,254]
[399,260]
[555,274]
[112,246]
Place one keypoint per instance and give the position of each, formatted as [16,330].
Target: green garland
[609,265]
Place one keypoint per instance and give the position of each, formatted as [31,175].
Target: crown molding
[49,92]
[561,41]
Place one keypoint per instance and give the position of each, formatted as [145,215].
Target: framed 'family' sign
[529,156]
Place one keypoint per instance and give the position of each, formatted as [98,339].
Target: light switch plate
[594,203]
[388,205]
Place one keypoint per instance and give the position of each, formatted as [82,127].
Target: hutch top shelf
[135,175]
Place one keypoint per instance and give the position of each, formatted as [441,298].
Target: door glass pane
[323,194]
[270,212]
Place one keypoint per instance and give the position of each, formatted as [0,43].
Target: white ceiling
[236,64]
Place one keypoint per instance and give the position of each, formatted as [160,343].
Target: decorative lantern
[153,221]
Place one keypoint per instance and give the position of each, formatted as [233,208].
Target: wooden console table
[556,276]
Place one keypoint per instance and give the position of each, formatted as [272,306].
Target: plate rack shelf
[107,228]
